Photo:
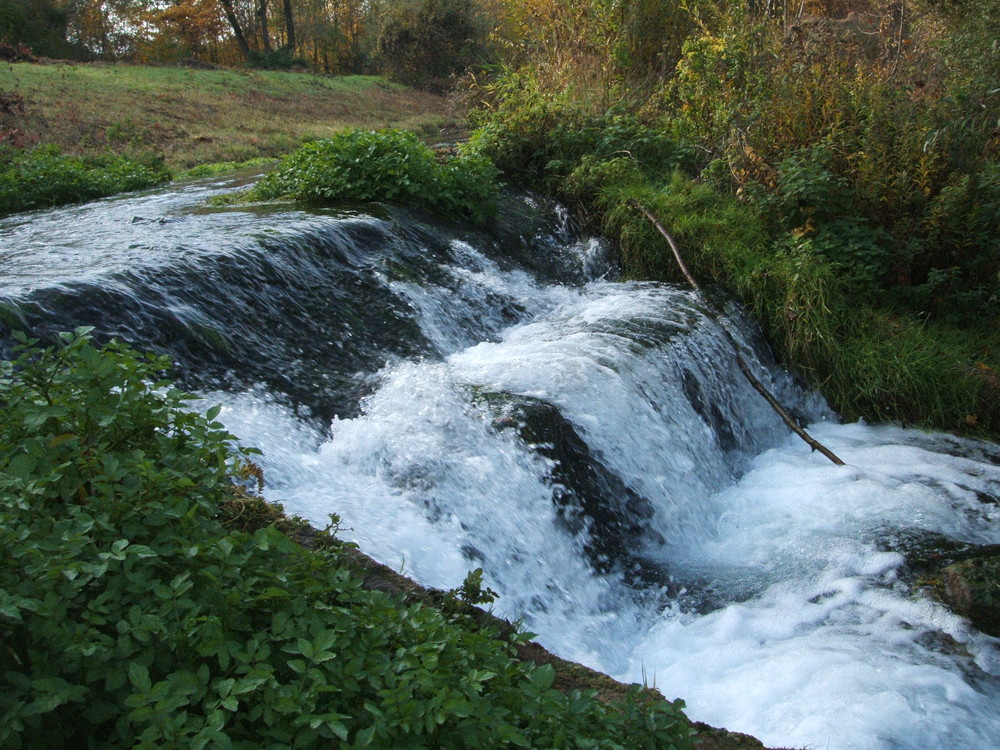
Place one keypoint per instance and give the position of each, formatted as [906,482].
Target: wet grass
[871,361]
[195,116]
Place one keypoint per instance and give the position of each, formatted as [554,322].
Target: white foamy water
[754,579]
[806,634]
[829,648]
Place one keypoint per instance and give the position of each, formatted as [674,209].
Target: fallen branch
[744,368]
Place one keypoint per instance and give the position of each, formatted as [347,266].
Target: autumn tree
[185,28]
[237,26]
[106,29]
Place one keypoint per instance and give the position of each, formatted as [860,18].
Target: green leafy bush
[46,177]
[538,139]
[385,165]
[131,616]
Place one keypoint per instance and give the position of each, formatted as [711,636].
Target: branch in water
[744,368]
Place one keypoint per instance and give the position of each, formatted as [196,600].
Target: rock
[971,588]
[589,497]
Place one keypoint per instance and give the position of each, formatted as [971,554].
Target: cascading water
[468,399]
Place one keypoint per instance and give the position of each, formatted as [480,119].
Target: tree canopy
[409,39]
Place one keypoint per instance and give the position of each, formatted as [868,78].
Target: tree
[38,24]
[237,27]
[186,28]
[251,21]
[289,26]
[423,42]
[265,35]
[107,29]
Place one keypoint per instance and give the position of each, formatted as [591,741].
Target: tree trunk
[289,27]
[265,35]
[234,22]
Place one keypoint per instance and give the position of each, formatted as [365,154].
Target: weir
[494,399]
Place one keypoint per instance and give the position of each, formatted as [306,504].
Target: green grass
[873,362]
[194,116]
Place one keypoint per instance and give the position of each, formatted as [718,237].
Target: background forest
[422,42]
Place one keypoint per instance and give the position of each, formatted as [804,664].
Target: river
[493,398]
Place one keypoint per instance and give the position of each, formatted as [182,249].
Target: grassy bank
[195,116]
[851,211]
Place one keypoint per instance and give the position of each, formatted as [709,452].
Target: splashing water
[466,399]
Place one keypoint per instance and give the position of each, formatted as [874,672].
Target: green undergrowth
[819,276]
[385,165]
[45,176]
[879,362]
[147,600]
[537,140]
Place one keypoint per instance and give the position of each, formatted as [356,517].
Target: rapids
[494,399]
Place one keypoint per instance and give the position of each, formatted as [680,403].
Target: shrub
[281,58]
[46,177]
[537,139]
[386,165]
[131,617]
[424,42]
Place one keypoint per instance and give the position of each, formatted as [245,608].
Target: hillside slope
[193,116]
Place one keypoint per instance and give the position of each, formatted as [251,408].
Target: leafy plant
[535,138]
[386,165]
[46,177]
[132,616]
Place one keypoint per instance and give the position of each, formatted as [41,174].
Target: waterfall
[494,399]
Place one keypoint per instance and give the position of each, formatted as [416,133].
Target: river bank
[451,334]
[485,398]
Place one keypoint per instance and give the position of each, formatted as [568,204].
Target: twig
[744,368]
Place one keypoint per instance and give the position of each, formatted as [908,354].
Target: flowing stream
[494,399]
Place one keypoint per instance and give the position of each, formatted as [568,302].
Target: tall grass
[871,363]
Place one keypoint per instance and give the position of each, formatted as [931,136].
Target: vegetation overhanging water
[464,399]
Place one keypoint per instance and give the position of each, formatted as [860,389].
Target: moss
[971,588]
